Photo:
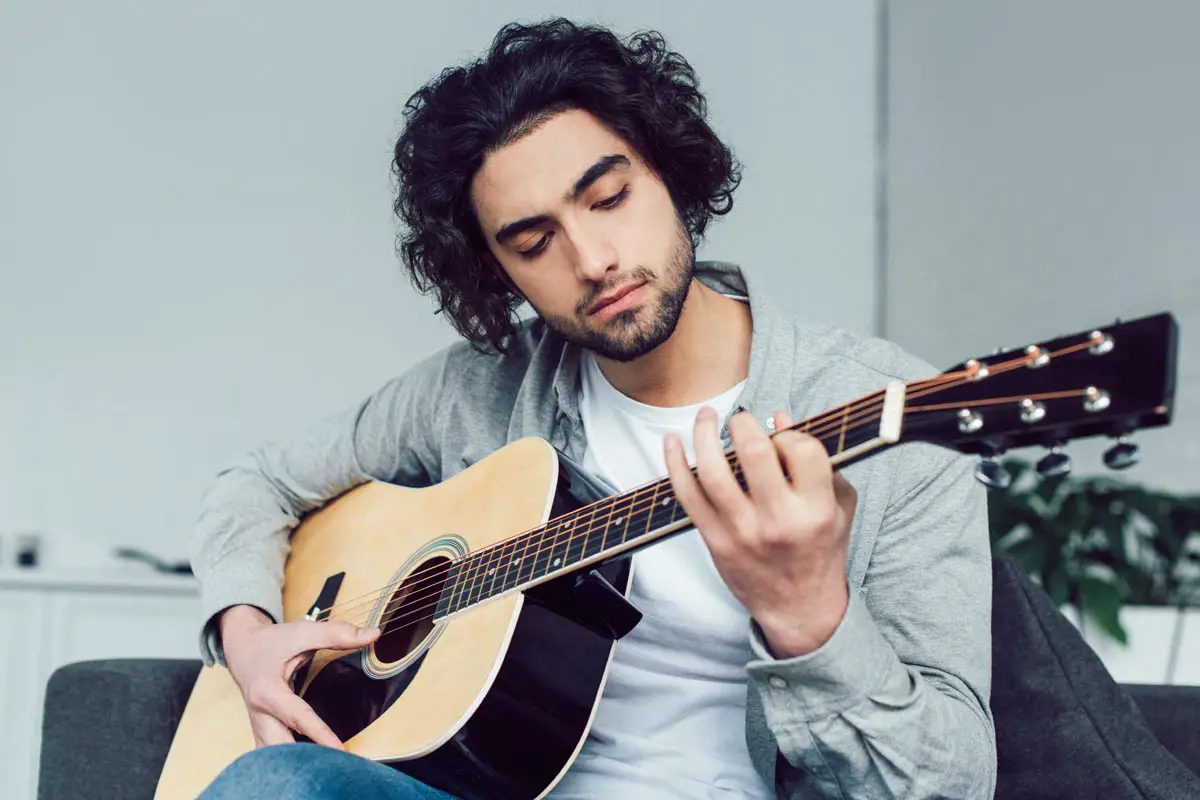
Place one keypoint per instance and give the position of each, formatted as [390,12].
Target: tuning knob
[1122,455]
[1055,463]
[991,474]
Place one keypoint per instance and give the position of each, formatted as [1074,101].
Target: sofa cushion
[1064,727]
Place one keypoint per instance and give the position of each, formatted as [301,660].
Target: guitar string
[419,592]
[577,514]
[829,418]
[406,617]
[482,569]
[737,473]
[569,520]
[635,497]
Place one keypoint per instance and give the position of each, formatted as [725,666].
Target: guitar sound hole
[408,618]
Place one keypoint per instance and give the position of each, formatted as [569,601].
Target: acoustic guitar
[501,591]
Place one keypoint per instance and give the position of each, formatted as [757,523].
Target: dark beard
[624,339]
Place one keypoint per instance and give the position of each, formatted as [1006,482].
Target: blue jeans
[313,772]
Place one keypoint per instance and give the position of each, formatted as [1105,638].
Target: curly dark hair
[642,91]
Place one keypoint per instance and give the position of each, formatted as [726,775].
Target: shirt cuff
[240,583]
[833,678]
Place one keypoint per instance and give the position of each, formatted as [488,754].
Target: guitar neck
[625,522]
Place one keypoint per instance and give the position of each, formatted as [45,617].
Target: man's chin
[624,348]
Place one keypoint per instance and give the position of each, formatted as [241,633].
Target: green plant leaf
[1031,553]
[1101,601]
[1057,584]
[1047,488]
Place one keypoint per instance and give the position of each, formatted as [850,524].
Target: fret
[539,560]
[513,562]
[616,524]
[556,554]
[473,564]
[479,583]
[571,557]
[639,511]
[588,523]
[499,568]
[574,543]
[448,601]
[594,546]
[648,512]
[529,547]
[467,575]
[607,537]
[842,437]
[666,509]
[572,550]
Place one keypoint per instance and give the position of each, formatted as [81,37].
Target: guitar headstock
[1108,381]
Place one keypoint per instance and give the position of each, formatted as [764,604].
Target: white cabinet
[20,623]
[48,619]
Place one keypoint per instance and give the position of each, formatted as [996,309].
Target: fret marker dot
[666,501]
[491,571]
[617,521]
[557,561]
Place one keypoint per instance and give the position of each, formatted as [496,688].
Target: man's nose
[594,256]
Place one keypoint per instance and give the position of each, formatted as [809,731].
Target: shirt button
[777,682]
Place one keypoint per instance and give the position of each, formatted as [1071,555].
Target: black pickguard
[529,724]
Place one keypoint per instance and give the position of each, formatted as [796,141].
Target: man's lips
[609,299]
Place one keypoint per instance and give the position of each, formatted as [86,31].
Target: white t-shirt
[671,721]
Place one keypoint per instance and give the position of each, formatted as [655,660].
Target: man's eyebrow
[594,173]
[597,171]
[513,229]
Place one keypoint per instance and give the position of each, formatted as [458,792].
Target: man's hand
[781,549]
[262,657]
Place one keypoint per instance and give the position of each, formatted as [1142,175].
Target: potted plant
[1123,561]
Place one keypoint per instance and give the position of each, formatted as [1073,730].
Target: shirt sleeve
[895,703]
[241,540]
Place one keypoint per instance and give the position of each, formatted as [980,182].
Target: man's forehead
[539,169]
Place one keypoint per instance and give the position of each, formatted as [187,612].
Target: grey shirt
[895,704]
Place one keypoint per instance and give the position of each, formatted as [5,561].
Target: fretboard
[620,523]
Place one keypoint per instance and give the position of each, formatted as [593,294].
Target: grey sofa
[1064,729]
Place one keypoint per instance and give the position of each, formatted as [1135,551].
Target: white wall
[1043,177]
[195,231]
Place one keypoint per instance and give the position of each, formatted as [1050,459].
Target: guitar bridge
[319,611]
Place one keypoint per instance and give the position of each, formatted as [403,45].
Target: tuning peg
[991,474]
[1122,455]
[1055,463]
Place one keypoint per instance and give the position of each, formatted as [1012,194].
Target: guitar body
[494,701]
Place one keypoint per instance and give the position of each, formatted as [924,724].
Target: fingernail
[367,634]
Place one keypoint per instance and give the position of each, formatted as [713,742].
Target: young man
[805,640]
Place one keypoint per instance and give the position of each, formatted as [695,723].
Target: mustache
[639,275]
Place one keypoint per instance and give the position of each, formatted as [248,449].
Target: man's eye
[615,200]
[538,247]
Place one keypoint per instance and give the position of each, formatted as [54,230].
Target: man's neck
[708,353]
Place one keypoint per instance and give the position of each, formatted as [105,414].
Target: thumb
[339,635]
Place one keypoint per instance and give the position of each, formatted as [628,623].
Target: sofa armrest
[108,724]
[1172,712]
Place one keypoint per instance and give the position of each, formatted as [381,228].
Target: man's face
[576,218]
